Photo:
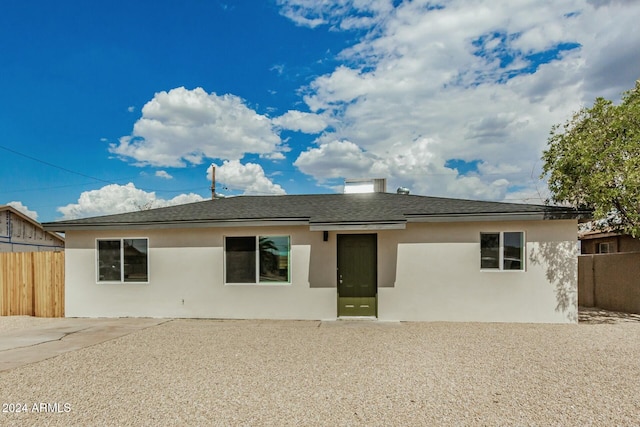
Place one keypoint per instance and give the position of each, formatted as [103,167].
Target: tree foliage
[593,161]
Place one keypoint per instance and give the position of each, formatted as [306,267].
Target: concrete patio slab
[22,347]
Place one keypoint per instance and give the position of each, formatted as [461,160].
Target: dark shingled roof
[371,208]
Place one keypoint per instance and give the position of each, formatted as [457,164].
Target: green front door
[357,274]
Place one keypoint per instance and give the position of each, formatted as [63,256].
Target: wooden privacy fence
[32,284]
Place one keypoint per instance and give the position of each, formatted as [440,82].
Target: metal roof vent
[402,190]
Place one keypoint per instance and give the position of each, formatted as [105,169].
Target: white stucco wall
[427,272]
[186,279]
[438,276]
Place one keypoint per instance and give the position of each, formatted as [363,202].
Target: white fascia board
[357,226]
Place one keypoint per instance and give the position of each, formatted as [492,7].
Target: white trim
[356,226]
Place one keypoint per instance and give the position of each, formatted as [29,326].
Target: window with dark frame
[123,260]
[502,251]
[257,259]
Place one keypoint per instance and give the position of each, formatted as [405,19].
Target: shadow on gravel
[592,315]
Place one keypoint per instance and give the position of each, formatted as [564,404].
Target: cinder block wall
[610,281]
[585,281]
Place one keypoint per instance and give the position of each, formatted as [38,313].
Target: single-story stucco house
[326,256]
[607,241]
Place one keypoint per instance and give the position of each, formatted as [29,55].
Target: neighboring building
[606,242]
[387,256]
[20,233]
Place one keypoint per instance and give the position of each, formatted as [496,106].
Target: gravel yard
[208,372]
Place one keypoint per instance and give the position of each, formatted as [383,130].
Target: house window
[123,260]
[257,259]
[604,248]
[502,251]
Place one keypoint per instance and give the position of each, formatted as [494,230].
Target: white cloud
[346,14]
[292,11]
[163,175]
[422,85]
[274,156]
[131,109]
[114,198]
[249,178]
[336,159]
[427,85]
[25,210]
[416,166]
[303,21]
[342,86]
[300,121]
[279,69]
[184,126]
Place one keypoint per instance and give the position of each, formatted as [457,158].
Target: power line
[54,166]
[44,162]
[53,187]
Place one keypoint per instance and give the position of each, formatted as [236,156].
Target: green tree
[593,161]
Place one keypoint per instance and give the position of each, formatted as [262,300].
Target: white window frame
[121,281]
[257,281]
[501,251]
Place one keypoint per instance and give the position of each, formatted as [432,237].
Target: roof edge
[357,225]
[62,227]
[501,216]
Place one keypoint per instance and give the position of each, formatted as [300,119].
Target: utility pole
[213,182]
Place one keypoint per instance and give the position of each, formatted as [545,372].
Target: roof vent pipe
[402,190]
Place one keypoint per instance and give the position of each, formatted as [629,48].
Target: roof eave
[495,216]
[357,225]
[388,224]
[147,225]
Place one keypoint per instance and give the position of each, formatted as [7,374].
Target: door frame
[373,299]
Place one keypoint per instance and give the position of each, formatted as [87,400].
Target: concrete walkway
[22,347]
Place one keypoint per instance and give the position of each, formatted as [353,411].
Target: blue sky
[115,106]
